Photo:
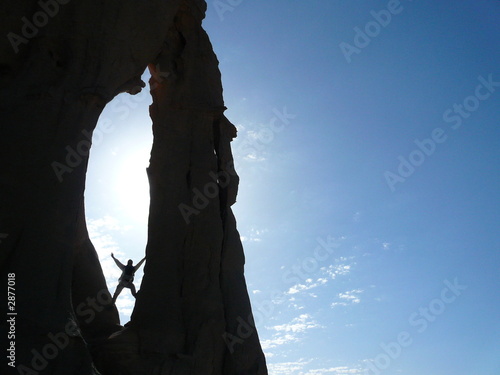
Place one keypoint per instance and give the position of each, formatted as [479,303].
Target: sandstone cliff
[61,63]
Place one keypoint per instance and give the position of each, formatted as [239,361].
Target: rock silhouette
[61,62]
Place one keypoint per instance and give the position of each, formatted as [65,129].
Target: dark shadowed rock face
[60,63]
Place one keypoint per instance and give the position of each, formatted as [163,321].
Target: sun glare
[132,186]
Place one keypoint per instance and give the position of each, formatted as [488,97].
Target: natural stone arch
[188,314]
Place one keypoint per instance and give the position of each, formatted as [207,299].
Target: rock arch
[57,73]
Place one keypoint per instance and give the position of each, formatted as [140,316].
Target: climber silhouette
[127,278]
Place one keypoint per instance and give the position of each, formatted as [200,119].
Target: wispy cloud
[299,324]
[307,285]
[125,303]
[394,245]
[278,341]
[290,332]
[328,273]
[337,270]
[299,368]
[348,298]
[342,370]
[253,235]
[287,368]
[101,233]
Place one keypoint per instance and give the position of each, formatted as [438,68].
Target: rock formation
[61,62]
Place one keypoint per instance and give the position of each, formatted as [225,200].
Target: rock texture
[61,62]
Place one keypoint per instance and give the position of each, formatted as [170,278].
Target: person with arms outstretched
[126,280]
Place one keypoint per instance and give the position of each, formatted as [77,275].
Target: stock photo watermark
[224,6]
[252,144]
[372,29]
[427,146]
[419,319]
[58,341]
[201,199]
[75,155]
[300,271]
[123,107]
[255,142]
[30,27]
[11,319]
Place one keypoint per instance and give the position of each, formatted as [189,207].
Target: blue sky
[356,238]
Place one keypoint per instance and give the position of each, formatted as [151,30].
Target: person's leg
[132,290]
[118,290]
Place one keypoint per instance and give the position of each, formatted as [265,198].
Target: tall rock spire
[192,314]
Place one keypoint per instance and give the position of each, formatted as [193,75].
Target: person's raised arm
[138,265]
[118,263]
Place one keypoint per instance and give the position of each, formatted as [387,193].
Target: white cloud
[287,368]
[328,273]
[299,368]
[337,270]
[309,284]
[101,234]
[277,341]
[125,303]
[342,370]
[289,333]
[348,298]
[298,325]
[254,157]
[253,235]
